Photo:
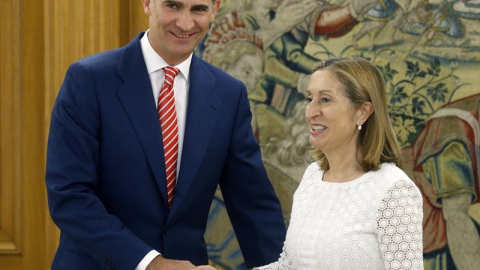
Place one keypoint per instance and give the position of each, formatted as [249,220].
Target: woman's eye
[325,99]
[308,99]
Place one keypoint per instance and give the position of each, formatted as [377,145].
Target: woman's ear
[365,110]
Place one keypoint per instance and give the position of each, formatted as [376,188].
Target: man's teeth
[181,36]
[319,128]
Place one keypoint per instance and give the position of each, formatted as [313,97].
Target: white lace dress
[372,222]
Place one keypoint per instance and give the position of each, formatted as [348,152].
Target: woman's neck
[344,167]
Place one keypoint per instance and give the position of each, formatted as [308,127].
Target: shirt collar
[155,62]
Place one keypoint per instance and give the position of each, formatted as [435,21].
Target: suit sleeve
[250,199]
[72,175]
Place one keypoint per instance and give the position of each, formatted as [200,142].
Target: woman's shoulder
[392,171]
[394,177]
[313,168]
[313,171]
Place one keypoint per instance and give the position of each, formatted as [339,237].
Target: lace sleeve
[399,229]
[283,263]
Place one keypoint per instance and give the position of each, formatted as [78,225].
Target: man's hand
[206,267]
[160,263]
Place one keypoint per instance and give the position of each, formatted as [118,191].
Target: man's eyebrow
[173,2]
[180,4]
[201,6]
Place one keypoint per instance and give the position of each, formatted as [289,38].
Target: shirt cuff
[147,260]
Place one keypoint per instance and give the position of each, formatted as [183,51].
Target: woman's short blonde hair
[362,82]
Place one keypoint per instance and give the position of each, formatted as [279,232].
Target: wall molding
[10,131]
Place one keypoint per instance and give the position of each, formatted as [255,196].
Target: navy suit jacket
[105,171]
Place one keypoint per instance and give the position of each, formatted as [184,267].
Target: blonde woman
[354,208]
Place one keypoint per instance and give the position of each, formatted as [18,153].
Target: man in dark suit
[107,170]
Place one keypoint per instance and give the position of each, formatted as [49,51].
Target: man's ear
[146,6]
[216,7]
[365,110]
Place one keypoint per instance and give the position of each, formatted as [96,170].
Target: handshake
[162,263]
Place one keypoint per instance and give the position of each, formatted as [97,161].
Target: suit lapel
[202,113]
[136,97]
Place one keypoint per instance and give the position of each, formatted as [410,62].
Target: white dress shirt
[155,63]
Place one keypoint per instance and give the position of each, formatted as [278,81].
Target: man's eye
[172,5]
[202,9]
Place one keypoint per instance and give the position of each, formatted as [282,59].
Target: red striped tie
[168,121]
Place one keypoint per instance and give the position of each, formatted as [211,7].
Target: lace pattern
[373,222]
[399,230]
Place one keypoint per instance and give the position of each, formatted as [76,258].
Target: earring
[359,127]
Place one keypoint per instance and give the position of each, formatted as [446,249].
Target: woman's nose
[311,110]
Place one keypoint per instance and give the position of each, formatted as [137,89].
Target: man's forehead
[191,2]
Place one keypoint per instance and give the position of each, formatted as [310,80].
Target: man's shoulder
[110,58]
[218,73]
[96,66]
[100,60]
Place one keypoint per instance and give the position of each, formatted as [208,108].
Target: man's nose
[185,21]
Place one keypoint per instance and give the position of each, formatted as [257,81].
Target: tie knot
[170,73]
